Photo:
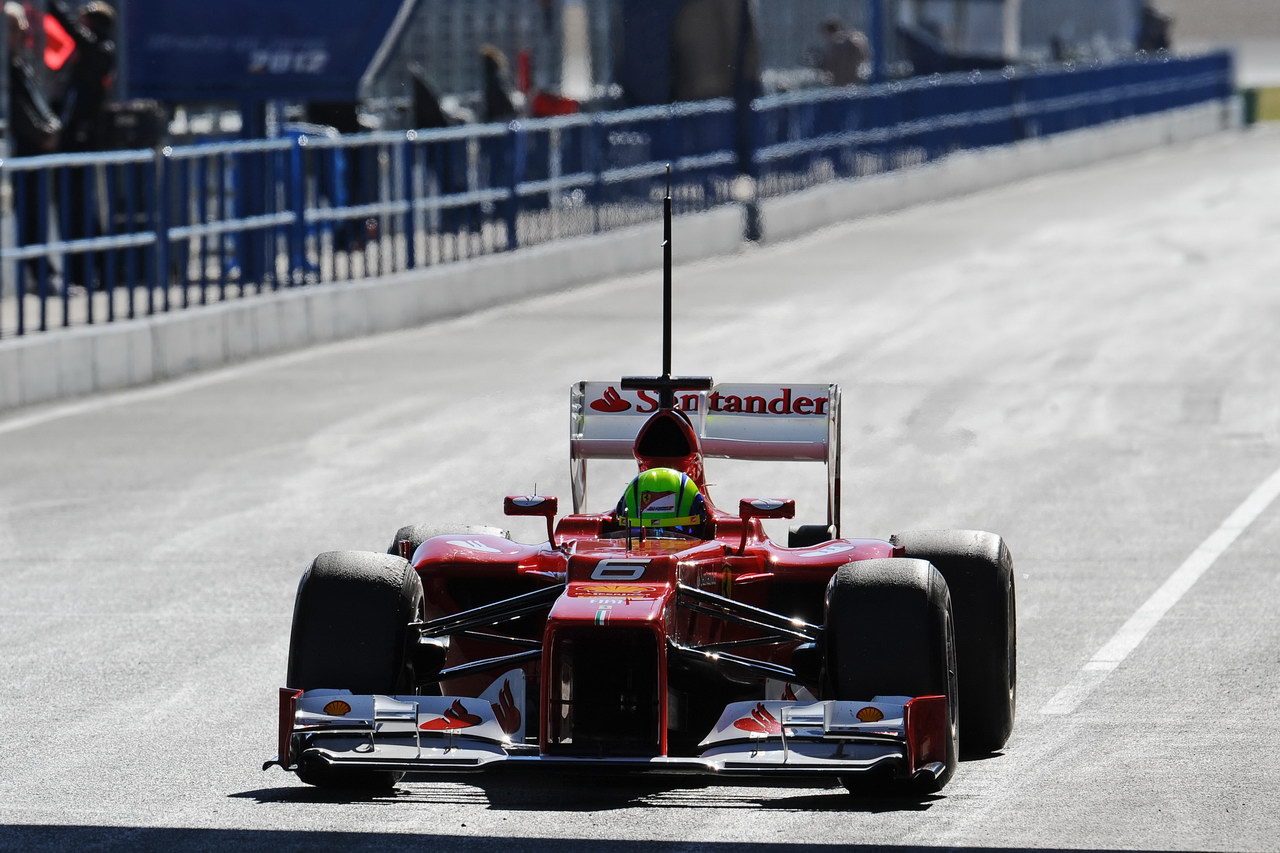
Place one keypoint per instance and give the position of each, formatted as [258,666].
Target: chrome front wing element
[433,734]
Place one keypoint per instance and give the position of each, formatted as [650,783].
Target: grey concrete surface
[40,368]
[1084,362]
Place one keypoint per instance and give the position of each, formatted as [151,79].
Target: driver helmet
[663,500]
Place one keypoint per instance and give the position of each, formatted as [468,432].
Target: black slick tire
[350,632]
[804,535]
[979,573]
[415,534]
[889,632]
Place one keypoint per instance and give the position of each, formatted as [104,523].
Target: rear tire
[350,632]
[804,535]
[415,534]
[979,573]
[889,632]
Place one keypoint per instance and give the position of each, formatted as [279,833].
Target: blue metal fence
[111,235]
[803,139]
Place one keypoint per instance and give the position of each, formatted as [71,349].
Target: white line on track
[1133,632]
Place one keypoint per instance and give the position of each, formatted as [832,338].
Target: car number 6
[619,570]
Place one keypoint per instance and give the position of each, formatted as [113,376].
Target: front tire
[979,573]
[350,632]
[416,534]
[889,632]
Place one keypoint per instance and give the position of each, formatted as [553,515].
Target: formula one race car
[666,636]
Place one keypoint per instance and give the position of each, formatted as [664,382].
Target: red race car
[664,636]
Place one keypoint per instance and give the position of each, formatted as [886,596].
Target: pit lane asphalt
[1087,363]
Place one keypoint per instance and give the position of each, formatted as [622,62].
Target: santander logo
[505,709]
[611,402]
[761,722]
[456,716]
[784,401]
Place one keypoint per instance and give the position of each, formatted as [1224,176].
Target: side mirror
[543,505]
[749,508]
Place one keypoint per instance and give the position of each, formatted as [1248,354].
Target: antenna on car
[666,285]
[667,385]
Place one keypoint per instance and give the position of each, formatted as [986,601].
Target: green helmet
[662,498]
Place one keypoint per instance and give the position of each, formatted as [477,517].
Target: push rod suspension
[489,614]
[735,611]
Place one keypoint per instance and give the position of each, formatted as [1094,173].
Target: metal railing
[804,139]
[98,237]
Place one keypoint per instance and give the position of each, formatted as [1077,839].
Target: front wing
[897,737]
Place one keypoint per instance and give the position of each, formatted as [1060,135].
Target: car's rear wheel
[889,632]
[350,632]
[804,535]
[416,534]
[979,573]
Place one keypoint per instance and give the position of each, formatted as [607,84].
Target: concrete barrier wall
[40,368]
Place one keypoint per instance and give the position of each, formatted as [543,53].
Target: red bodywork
[618,615]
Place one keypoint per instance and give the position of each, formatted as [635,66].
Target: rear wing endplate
[764,422]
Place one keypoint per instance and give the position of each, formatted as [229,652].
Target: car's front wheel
[351,632]
[889,632]
[979,573]
[411,536]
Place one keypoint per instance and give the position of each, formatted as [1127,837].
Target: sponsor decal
[337,708]
[474,545]
[617,590]
[784,404]
[870,715]
[456,717]
[787,403]
[611,402]
[657,502]
[760,722]
[505,709]
[827,550]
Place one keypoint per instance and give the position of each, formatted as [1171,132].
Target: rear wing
[764,422]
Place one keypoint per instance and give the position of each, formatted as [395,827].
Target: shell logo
[337,708]
[619,590]
[870,715]
[616,588]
